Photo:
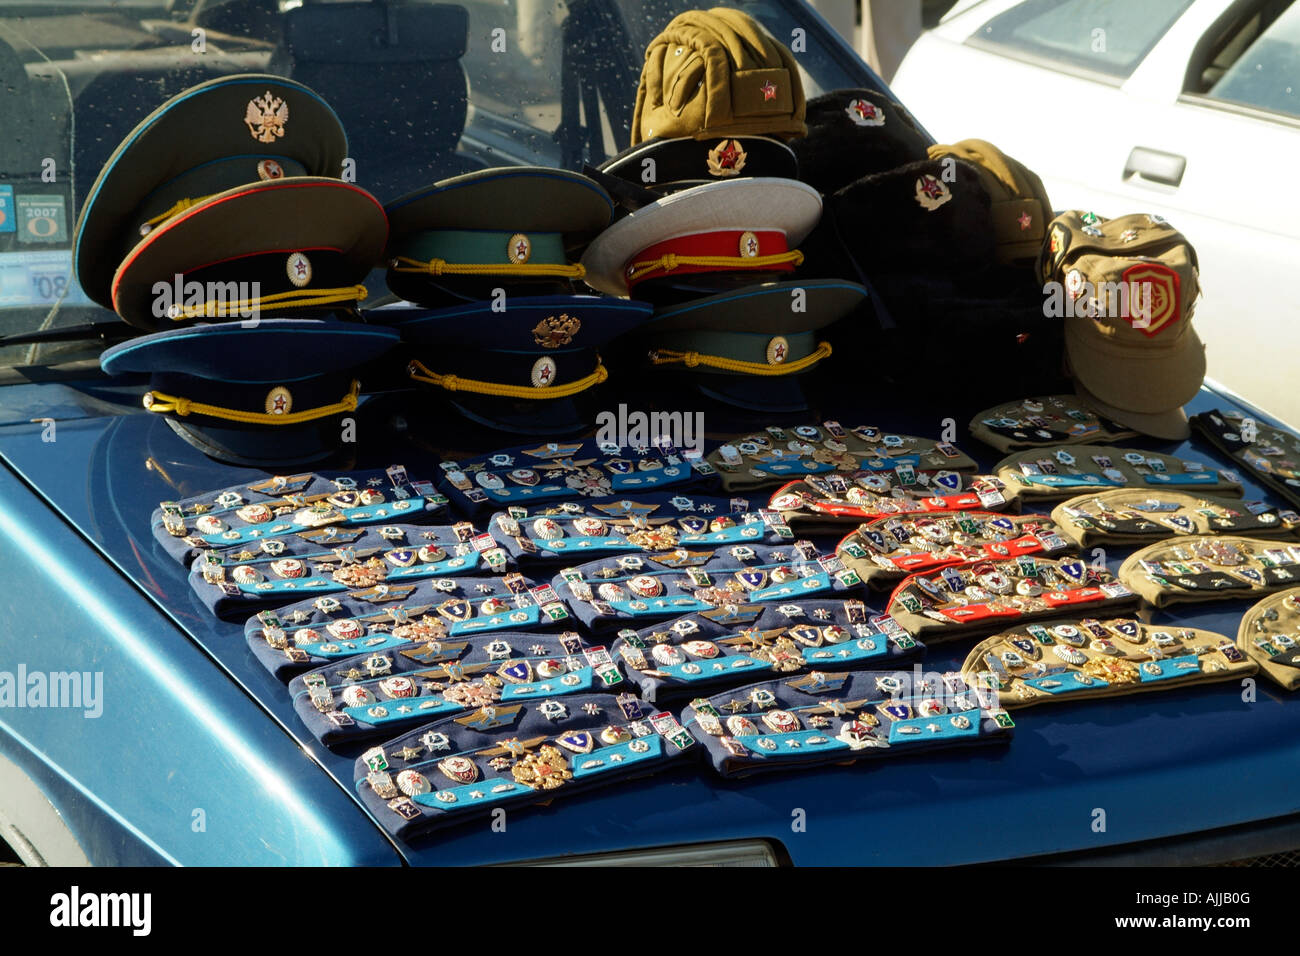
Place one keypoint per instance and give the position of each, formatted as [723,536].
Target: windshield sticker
[38,279]
[7,209]
[42,219]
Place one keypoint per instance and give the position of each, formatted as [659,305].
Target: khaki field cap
[1139,369]
[716,73]
[1020,207]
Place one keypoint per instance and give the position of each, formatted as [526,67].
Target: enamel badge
[727,158]
[864,113]
[931,193]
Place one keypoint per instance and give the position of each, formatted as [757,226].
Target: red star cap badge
[769,91]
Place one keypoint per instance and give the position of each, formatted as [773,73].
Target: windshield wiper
[110,331]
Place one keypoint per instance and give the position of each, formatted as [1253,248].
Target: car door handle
[1156,166]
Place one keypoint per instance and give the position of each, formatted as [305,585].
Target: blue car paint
[1159,765]
[171,740]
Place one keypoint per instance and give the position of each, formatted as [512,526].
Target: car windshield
[474,84]
[1267,75]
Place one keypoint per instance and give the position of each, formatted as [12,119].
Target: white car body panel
[1234,203]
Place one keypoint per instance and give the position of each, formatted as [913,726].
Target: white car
[1185,108]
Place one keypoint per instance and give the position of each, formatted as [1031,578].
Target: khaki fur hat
[717,73]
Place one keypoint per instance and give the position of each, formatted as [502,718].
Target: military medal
[667,654]
[207,524]
[345,629]
[402,558]
[784,574]
[705,649]
[398,687]
[244,574]
[455,609]
[356,696]
[1027,648]
[895,711]
[806,634]
[547,529]
[781,721]
[255,514]
[544,770]
[405,809]
[761,698]
[459,769]
[646,585]
[550,668]
[1069,634]
[412,782]
[1069,654]
[1127,630]
[589,527]
[857,735]
[553,710]
[741,726]
[580,742]
[516,672]
[431,554]
[358,575]
[613,734]
[473,694]
[381,783]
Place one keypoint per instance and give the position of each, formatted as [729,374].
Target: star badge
[769,91]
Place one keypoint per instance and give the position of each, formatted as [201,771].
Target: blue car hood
[1161,765]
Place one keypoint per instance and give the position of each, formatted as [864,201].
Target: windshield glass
[424,90]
